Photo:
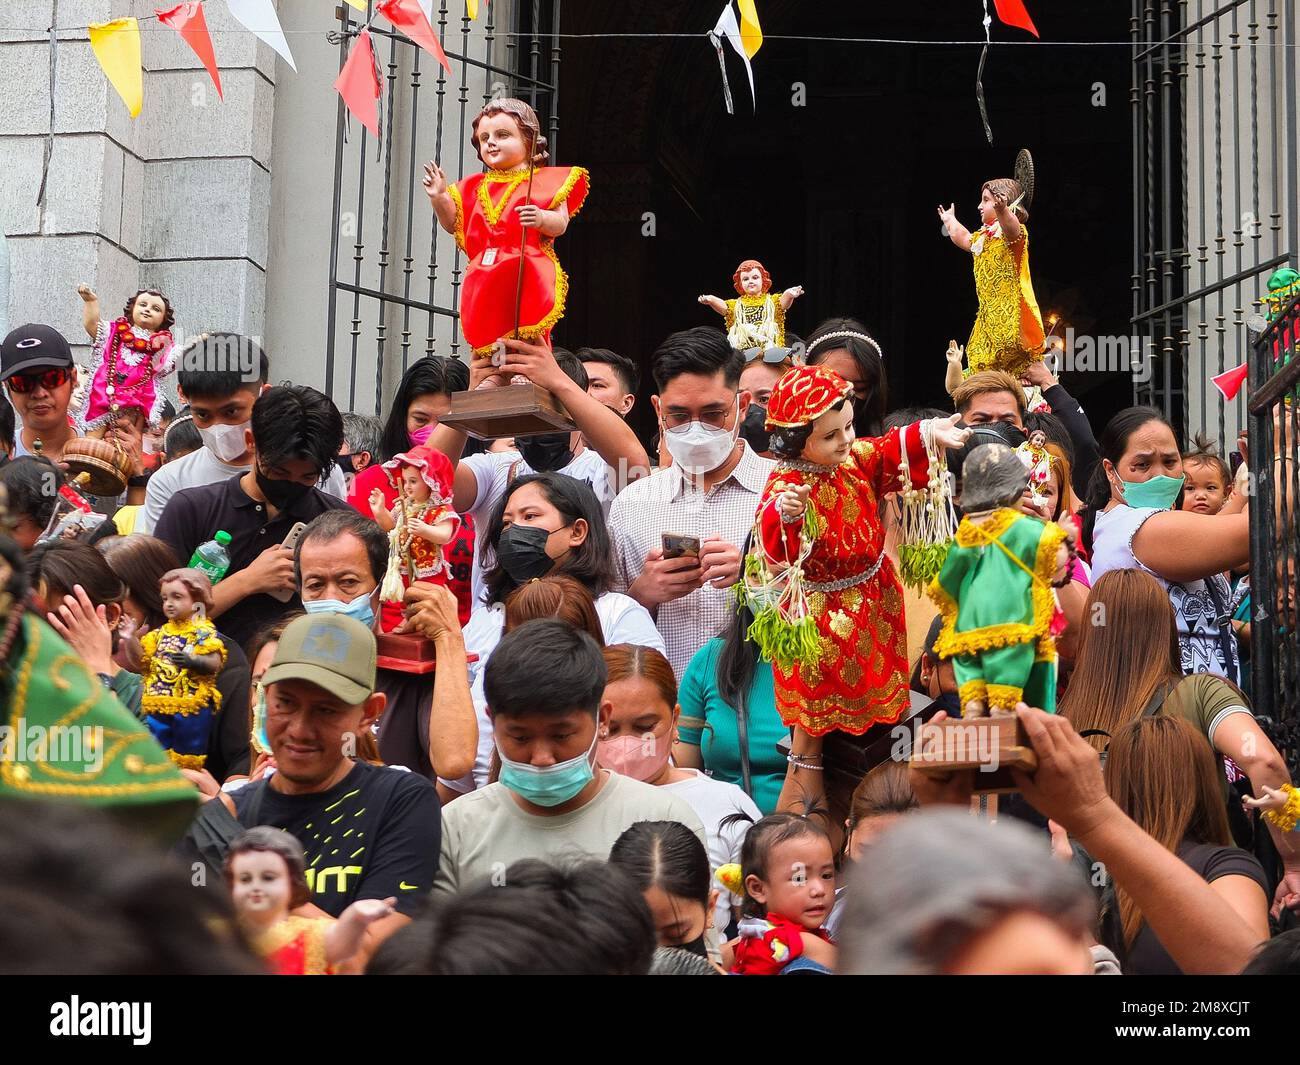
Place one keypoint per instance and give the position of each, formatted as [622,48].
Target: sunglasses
[772,355]
[49,380]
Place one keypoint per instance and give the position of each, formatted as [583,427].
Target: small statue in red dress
[506,220]
[827,604]
[424,523]
[266,871]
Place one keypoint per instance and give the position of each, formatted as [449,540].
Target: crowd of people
[593,778]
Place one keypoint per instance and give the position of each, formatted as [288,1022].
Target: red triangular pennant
[410,19]
[1013,13]
[358,83]
[1230,381]
[187,20]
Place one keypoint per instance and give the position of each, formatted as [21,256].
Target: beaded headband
[843,333]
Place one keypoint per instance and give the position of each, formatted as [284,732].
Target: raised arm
[453,724]
[380,512]
[89,310]
[435,184]
[713,302]
[611,437]
[952,375]
[1006,218]
[1202,929]
[957,232]
[1182,546]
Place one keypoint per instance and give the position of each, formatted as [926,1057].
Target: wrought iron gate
[1214,192]
[1275,529]
[394,276]
[1215,205]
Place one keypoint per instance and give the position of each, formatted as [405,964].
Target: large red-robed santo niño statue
[505,220]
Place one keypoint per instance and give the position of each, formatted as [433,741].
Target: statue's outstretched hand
[946,433]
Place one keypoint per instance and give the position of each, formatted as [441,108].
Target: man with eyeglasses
[710,492]
[39,375]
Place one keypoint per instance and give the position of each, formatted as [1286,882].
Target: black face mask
[753,430]
[863,419]
[949,701]
[546,453]
[281,494]
[695,946]
[522,553]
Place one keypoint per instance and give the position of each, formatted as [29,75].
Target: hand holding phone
[677,545]
[289,543]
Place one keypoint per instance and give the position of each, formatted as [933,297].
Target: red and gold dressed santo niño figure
[506,220]
[827,604]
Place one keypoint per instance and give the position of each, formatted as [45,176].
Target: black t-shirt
[195,515]
[228,740]
[1147,956]
[375,834]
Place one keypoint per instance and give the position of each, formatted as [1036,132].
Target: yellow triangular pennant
[751,33]
[117,47]
[471,8]
[360,5]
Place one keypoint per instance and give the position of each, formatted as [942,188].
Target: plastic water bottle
[212,557]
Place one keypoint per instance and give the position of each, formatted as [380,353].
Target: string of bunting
[116,46]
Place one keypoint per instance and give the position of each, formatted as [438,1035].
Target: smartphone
[678,546]
[289,542]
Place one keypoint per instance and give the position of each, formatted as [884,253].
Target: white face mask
[698,448]
[226,441]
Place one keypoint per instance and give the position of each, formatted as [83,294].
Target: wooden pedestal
[405,652]
[991,746]
[515,410]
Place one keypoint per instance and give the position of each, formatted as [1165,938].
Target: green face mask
[1159,492]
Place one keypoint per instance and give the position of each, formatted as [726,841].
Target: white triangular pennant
[729,29]
[259,17]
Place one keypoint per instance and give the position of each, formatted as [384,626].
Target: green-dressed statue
[995,590]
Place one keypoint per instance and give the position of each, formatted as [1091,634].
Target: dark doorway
[839,194]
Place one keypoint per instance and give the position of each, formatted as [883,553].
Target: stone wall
[176,199]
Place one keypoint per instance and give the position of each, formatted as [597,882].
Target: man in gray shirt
[545,687]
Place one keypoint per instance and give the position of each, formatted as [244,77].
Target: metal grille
[1275,530]
[394,276]
[1214,154]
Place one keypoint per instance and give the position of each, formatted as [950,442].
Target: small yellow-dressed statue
[180,661]
[1008,331]
[756,319]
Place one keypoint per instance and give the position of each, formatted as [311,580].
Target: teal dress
[710,724]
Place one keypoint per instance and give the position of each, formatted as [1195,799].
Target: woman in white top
[642,693]
[546,524]
[1132,493]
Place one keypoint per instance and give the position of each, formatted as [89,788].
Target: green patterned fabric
[64,737]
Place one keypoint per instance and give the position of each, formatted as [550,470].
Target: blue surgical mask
[548,785]
[360,608]
[1159,492]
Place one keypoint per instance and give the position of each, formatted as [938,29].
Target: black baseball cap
[33,347]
